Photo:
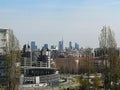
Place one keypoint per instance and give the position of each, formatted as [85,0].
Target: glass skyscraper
[60,46]
[33,46]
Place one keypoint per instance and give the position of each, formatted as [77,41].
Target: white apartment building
[8,41]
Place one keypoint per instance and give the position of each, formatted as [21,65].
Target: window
[3,40]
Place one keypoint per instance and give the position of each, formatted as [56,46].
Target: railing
[42,79]
[49,78]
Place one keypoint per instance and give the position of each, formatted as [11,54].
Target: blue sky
[47,21]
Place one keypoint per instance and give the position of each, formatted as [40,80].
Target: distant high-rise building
[45,46]
[70,45]
[77,46]
[33,46]
[60,46]
[53,47]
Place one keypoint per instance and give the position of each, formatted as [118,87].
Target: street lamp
[77,61]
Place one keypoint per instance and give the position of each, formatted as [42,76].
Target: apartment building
[36,67]
[8,44]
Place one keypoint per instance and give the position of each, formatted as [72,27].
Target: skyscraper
[60,46]
[53,47]
[70,45]
[45,46]
[77,46]
[33,46]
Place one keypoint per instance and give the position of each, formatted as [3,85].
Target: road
[48,88]
[67,84]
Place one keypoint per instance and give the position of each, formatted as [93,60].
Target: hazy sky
[47,21]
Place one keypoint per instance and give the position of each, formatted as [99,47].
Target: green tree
[89,68]
[12,57]
[13,71]
[88,59]
[97,82]
[84,84]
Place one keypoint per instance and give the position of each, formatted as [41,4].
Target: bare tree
[88,59]
[108,45]
[88,63]
[107,38]
[103,38]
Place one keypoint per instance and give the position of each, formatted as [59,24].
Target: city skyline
[47,21]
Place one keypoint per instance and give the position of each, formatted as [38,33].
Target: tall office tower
[33,46]
[70,45]
[60,46]
[77,46]
[45,46]
[53,47]
[8,45]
